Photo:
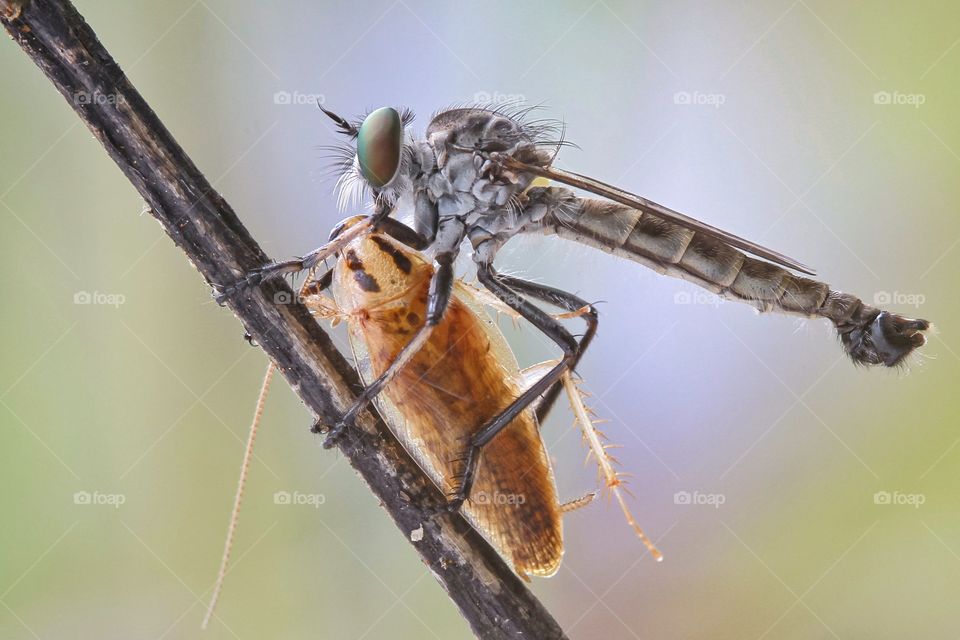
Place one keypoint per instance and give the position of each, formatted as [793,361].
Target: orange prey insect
[461,377]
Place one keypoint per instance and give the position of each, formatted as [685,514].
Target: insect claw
[435,510]
[334,434]
[223,292]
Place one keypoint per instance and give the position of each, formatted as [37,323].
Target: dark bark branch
[492,599]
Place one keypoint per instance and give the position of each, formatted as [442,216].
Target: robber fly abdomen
[869,335]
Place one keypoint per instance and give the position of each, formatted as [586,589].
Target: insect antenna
[343,126]
[605,462]
[238,499]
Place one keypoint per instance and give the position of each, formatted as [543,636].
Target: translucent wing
[462,377]
[648,206]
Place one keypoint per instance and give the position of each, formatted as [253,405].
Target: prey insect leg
[449,236]
[579,503]
[605,462]
[552,329]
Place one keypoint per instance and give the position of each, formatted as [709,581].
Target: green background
[783,142]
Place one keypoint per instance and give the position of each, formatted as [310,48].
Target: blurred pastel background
[793,495]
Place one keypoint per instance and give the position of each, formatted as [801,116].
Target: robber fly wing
[648,206]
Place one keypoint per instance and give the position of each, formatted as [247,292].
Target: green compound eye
[379,143]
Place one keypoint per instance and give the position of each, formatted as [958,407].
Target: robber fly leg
[342,234]
[425,225]
[566,301]
[441,288]
[552,329]
[296,265]
[276,270]
[449,237]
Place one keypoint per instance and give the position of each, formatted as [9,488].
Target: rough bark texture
[491,598]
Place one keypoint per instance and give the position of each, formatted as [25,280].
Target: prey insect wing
[519,534]
[457,381]
[462,376]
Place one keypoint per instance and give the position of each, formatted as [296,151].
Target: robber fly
[461,377]
[471,176]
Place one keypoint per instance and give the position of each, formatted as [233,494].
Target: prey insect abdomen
[450,388]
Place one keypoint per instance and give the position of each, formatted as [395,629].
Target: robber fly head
[375,156]
[383,156]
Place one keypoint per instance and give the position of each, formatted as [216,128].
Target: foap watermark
[898,98]
[297,498]
[285,297]
[98,297]
[95,97]
[697,297]
[699,98]
[97,498]
[698,498]
[900,298]
[298,98]
[498,498]
[899,498]
[495,97]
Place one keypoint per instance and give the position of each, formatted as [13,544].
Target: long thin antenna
[235,514]
[604,461]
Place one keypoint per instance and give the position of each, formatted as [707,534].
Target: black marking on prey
[364,280]
[403,262]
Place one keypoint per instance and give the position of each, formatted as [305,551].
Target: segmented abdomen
[869,335]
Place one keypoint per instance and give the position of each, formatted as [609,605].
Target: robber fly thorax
[452,178]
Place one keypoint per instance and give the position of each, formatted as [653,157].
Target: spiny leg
[317,285]
[311,296]
[552,329]
[449,237]
[339,239]
[579,503]
[340,236]
[605,462]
